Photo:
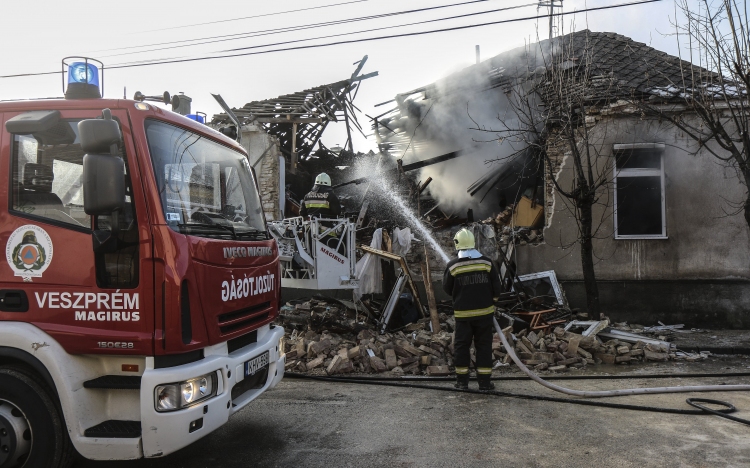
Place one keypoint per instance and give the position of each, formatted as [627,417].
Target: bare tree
[713,87]
[550,99]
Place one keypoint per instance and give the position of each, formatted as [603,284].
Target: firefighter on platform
[320,202]
[474,283]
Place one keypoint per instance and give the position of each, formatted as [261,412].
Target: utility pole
[551,4]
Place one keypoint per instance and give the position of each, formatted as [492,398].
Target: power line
[260,16]
[244,35]
[352,41]
[387,27]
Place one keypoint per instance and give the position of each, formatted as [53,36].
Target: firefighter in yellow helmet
[473,281]
[320,202]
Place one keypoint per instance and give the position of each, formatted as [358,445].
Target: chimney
[476,47]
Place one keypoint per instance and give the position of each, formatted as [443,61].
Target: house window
[640,211]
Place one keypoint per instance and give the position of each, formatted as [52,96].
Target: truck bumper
[164,433]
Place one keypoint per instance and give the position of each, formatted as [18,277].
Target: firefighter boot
[462,381]
[484,383]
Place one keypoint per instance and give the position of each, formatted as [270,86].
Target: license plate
[255,364]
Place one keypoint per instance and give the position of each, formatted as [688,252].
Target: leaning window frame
[640,172]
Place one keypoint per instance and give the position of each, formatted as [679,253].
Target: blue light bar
[84,73]
[197,118]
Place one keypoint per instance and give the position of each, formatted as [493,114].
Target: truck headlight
[175,396]
[281,346]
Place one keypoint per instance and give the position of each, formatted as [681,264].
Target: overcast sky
[43,32]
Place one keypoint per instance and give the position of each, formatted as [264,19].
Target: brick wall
[268,170]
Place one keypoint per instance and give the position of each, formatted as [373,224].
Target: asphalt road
[310,424]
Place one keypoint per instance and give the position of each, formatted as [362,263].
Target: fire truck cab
[139,285]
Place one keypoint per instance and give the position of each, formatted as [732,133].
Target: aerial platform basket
[316,254]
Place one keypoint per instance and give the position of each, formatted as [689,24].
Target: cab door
[88,301]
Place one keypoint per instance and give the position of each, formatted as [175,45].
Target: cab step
[120,382]
[115,429]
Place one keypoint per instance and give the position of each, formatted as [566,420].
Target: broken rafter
[412,166]
[298,119]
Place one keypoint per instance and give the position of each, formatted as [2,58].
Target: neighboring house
[668,246]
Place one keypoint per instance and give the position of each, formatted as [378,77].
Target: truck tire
[32,433]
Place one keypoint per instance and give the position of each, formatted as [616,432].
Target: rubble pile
[329,336]
[561,350]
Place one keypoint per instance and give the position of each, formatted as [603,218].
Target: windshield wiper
[254,233]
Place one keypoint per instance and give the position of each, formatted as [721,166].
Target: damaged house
[666,243]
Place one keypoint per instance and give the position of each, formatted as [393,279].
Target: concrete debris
[420,352]
[328,336]
[355,346]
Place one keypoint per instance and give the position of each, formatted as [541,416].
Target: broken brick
[390,359]
[438,370]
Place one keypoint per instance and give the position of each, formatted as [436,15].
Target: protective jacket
[473,283]
[320,202]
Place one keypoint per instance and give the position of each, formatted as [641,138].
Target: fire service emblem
[29,251]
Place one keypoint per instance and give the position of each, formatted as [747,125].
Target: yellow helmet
[323,179]
[464,239]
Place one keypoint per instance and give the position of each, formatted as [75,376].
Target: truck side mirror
[103,184]
[99,135]
[103,175]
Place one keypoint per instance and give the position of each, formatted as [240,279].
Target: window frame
[640,172]
[208,137]
[38,218]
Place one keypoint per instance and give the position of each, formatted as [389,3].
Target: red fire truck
[140,280]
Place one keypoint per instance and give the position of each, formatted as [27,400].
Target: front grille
[253,235]
[240,342]
[173,360]
[232,321]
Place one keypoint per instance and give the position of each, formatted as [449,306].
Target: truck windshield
[206,189]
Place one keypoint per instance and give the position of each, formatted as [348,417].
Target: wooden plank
[293,169]
[431,302]
[362,213]
[381,253]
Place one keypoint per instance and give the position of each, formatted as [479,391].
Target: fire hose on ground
[695,402]
[612,393]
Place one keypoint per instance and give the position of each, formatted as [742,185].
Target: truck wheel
[32,433]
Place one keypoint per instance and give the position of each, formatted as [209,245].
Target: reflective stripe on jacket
[473,283]
[320,202]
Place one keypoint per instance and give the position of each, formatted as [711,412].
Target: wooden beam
[431,302]
[294,148]
[424,186]
[348,132]
[363,77]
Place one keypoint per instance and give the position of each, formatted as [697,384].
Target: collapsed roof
[299,119]
[619,68]
[616,67]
